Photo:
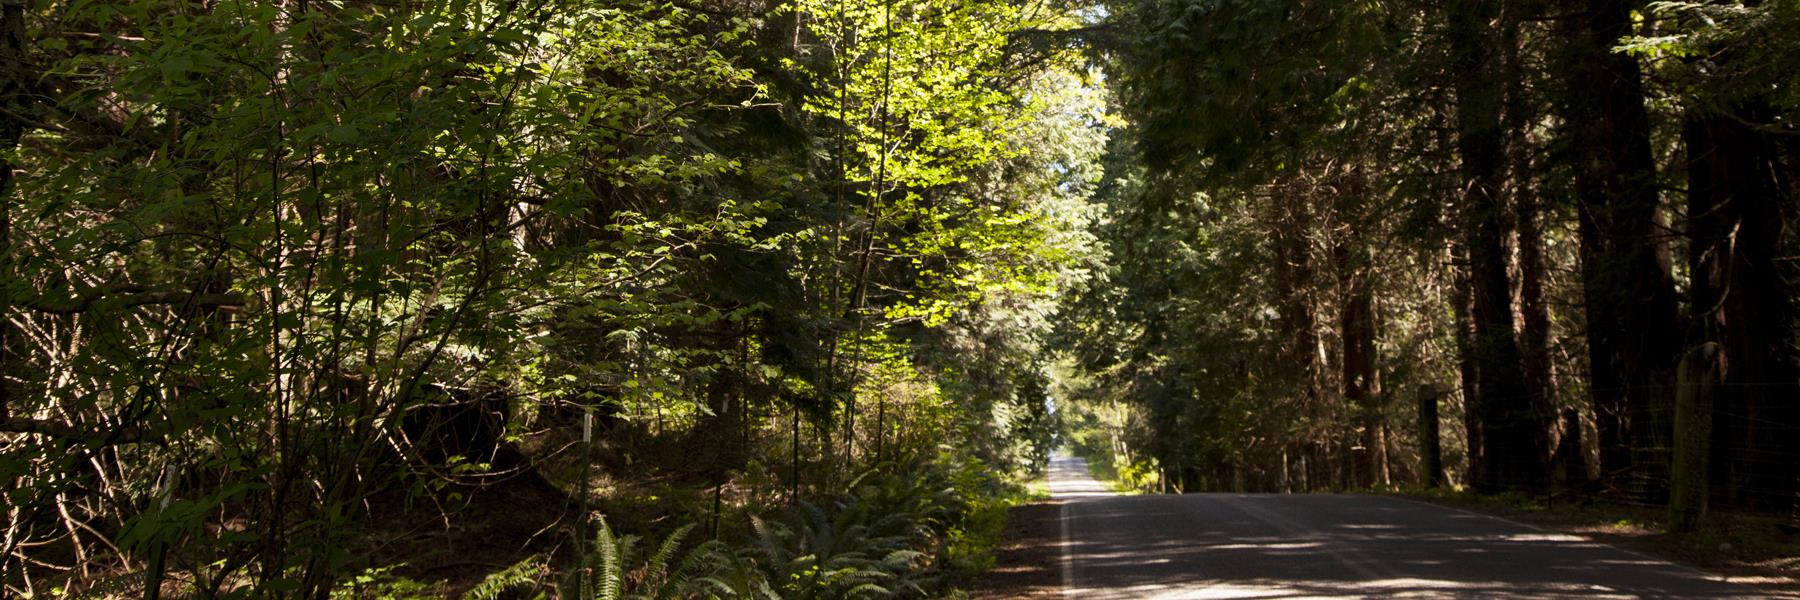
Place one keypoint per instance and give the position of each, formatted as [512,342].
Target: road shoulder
[1744,550]
[1027,564]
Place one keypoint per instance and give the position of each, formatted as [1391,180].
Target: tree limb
[126,298]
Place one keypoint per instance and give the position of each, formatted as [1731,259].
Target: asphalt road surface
[1335,546]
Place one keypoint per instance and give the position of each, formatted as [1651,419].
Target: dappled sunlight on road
[1383,588]
[1334,546]
[1069,478]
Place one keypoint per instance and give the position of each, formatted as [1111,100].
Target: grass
[1038,489]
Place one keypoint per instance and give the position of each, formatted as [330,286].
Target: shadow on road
[1336,546]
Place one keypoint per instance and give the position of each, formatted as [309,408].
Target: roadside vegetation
[497,299]
[920,530]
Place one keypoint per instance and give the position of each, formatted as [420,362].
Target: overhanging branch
[127,298]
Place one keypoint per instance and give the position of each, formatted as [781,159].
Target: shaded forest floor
[1758,550]
[444,544]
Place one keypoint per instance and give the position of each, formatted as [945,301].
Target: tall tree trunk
[1633,333]
[16,76]
[1297,328]
[1534,341]
[1360,379]
[1513,426]
[1738,198]
[1528,211]
[1467,370]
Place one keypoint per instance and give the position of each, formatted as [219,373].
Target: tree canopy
[335,299]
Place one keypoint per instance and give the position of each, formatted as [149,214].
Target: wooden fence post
[1431,451]
[1693,437]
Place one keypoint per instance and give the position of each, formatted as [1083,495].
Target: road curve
[1335,546]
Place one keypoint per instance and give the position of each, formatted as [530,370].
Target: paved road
[1334,546]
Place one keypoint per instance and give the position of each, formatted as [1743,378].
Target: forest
[793,298]
[1518,245]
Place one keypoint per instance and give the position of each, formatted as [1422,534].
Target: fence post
[1693,437]
[582,574]
[153,577]
[1431,451]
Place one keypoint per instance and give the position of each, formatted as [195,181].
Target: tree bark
[1512,423]
[1361,381]
[1629,296]
[16,76]
[1297,329]
[1539,370]
[1467,370]
[1737,204]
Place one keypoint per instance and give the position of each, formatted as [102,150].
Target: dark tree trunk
[1632,316]
[8,141]
[1528,211]
[1513,424]
[1738,198]
[1534,335]
[1568,459]
[1612,414]
[1468,371]
[1361,383]
[15,80]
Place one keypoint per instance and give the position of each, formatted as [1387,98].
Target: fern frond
[768,540]
[866,590]
[524,574]
[611,574]
[656,572]
[901,559]
[702,561]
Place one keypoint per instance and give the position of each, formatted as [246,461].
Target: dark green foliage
[1310,206]
[885,539]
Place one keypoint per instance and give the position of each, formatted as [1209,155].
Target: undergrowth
[912,530]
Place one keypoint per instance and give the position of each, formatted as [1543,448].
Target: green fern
[610,574]
[882,541]
[656,573]
[811,553]
[524,575]
[676,569]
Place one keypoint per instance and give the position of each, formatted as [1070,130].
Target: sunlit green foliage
[276,271]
